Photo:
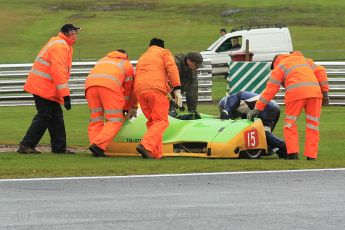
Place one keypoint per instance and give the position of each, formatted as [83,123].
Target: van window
[236,43]
[233,43]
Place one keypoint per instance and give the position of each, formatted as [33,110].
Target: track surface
[269,200]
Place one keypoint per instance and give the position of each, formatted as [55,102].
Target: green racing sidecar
[207,136]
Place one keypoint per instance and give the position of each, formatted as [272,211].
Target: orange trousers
[104,102]
[312,107]
[155,107]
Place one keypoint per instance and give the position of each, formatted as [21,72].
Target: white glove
[253,114]
[178,97]
[132,112]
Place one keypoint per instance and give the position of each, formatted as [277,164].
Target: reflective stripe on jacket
[321,75]
[155,68]
[295,73]
[114,72]
[50,72]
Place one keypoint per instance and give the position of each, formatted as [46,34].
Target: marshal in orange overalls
[155,68]
[304,82]
[108,91]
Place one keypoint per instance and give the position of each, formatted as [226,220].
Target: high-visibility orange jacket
[321,75]
[155,68]
[49,75]
[300,77]
[114,72]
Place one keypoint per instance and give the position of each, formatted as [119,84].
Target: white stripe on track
[171,175]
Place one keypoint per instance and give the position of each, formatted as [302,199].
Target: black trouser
[49,116]
[275,142]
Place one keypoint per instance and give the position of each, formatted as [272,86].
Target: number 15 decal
[251,139]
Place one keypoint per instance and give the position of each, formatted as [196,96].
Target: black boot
[310,159]
[144,152]
[96,151]
[27,150]
[292,156]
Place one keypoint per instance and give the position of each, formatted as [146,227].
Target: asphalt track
[313,199]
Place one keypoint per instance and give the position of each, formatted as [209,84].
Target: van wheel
[251,153]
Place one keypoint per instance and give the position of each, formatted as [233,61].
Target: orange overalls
[108,90]
[154,69]
[304,82]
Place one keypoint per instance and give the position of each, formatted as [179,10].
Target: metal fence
[13,77]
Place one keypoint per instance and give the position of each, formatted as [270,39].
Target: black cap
[195,57]
[122,51]
[157,42]
[68,28]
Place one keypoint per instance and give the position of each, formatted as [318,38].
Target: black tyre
[251,153]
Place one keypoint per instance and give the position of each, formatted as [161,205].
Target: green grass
[17,119]
[13,165]
[185,25]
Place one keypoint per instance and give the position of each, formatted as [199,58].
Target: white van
[264,42]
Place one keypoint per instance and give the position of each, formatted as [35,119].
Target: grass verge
[13,165]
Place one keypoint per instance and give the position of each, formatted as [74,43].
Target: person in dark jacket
[187,66]
[239,104]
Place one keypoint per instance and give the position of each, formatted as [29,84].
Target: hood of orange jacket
[279,58]
[117,54]
[296,53]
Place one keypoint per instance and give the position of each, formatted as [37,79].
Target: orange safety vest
[155,69]
[48,77]
[301,77]
[114,72]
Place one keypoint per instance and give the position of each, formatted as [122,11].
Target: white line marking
[232,76]
[265,78]
[263,81]
[244,76]
[171,175]
[256,76]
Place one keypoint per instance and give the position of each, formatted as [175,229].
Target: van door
[266,45]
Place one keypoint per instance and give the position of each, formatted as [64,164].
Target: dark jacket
[189,82]
[239,104]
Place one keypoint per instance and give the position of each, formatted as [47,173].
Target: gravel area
[41,148]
